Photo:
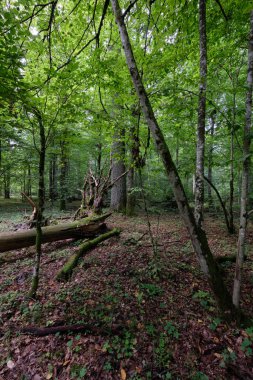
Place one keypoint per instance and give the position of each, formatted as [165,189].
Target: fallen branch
[84,328]
[87,227]
[66,271]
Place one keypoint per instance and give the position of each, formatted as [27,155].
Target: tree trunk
[134,154]
[7,182]
[52,178]
[118,192]
[63,176]
[66,271]
[199,191]
[87,227]
[40,208]
[198,236]
[245,173]
[231,185]
[210,161]
[130,205]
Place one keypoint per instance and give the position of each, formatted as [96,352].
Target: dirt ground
[148,310]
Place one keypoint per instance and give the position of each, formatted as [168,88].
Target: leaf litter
[168,326]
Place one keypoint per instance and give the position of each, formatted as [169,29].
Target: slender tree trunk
[63,176]
[199,191]
[245,173]
[99,159]
[118,192]
[210,160]
[40,208]
[232,176]
[231,184]
[198,236]
[28,189]
[7,182]
[131,174]
[53,178]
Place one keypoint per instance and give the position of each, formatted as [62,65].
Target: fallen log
[65,272]
[87,227]
[87,328]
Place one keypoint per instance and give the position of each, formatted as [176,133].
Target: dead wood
[66,271]
[88,227]
[86,328]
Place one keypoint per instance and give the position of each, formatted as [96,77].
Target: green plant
[199,376]
[151,330]
[162,353]
[171,330]
[247,343]
[228,356]
[120,347]
[77,372]
[215,322]
[108,366]
[152,290]
[204,299]
[8,300]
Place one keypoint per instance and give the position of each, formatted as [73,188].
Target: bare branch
[130,6]
[222,9]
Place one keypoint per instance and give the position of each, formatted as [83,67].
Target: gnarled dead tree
[94,190]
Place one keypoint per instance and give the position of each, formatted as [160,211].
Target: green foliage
[204,299]
[171,330]
[78,372]
[151,290]
[228,355]
[215,323]
[120,347]
[199,376]
[247,343]
[161,350]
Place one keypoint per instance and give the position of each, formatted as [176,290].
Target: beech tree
[245,172]
[199,180]
[197,234]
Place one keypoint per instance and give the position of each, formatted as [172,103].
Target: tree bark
[53,178]
[199,191]
[87,227]
[198,236]
[232,177]
[63,175]
[40,208]
[66,271]
[245,173]
[210,161]
[226,216]
[118,192]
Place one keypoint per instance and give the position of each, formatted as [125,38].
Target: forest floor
[151,312]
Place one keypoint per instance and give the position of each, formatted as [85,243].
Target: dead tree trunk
[87,227]
[245,173]
[66,271]
[198,236]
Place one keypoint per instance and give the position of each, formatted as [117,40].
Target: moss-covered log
[65,272]
[87,227]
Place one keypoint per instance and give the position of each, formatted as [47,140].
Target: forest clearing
[126,189]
